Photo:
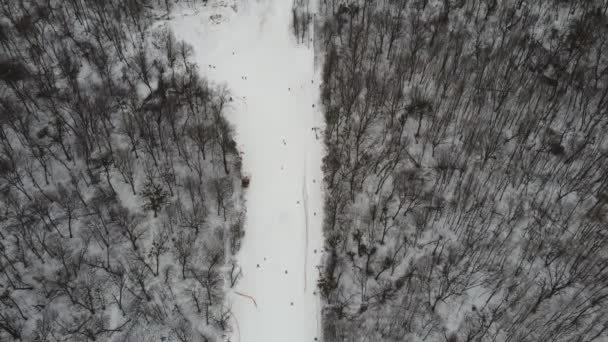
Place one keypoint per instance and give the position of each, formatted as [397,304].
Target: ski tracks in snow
[248,297]
[306,224]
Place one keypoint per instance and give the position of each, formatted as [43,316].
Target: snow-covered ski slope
[274,86]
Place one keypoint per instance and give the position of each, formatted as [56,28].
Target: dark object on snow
[556,149]
[258,265]
[245,181]
[285,271]
[12,71]
[453,338]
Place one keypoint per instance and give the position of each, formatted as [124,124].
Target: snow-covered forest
[467,170]
[120,181]
[166,174]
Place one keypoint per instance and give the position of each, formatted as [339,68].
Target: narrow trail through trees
[253,50]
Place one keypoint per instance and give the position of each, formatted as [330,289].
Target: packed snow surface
[274,85]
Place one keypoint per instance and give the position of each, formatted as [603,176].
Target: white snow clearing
[274,87]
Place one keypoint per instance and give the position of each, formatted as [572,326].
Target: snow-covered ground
[274,87]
